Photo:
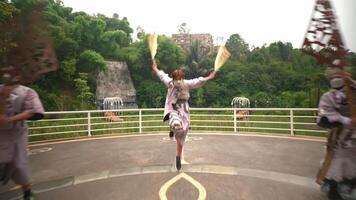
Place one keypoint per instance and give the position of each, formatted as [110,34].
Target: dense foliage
[275,75]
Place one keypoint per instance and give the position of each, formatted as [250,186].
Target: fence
[69,124]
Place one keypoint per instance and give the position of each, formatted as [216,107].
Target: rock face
[116,82]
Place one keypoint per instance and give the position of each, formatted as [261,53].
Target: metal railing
[68,124]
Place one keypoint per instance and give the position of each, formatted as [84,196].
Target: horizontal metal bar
[263,122]
[147,121]
[263,128]
[270,116]
[59,126]
[259,109]
[210,115]
[57,133]
[106,129]
[305,123]
[304,130]
[301,116]
[59,119]
[196,126]
[121,122]
[216,121]
[145,127]
[158,115]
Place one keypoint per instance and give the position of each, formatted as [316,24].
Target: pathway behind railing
[69,124]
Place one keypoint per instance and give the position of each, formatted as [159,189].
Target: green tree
[85,97]
[68,67]
[169,56]
[140,33]
[67,48]
[262,100]
[91,61]
[272,73]
[7,11]
[112,42]
[196,60]
[238,48]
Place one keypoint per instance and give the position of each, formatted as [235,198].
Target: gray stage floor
[217,166]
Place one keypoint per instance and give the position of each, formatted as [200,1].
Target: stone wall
[116,82]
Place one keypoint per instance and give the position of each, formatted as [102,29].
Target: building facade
[184,40]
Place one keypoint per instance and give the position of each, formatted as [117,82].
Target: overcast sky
[258,22]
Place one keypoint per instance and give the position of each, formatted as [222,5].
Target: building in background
[184,40]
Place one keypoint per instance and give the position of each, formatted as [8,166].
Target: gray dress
[14,137]
[334,110]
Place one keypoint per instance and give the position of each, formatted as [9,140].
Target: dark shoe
[333,192]
[29,196]
[178,163]
[171,134]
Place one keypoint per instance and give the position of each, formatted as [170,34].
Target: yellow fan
[152,44]
[221,58]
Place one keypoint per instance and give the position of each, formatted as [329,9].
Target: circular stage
[215,166]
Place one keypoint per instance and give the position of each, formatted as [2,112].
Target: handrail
[67,124]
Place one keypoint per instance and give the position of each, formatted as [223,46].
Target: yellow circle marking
[200,187]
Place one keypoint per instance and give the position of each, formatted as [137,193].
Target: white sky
[257,21]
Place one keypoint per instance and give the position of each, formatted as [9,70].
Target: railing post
[89,124]
[140,120]
[235,121]
[291,123]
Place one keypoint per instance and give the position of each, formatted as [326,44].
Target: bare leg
[179,154]
[179,149]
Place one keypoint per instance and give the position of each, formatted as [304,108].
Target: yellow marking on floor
[200,187]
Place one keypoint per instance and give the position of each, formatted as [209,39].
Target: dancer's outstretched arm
[161,74]
[198,82]
[211,76]
[154,66]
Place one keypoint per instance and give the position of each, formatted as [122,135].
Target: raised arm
[211,76]
[160,73]
[154,67]
[198,82]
